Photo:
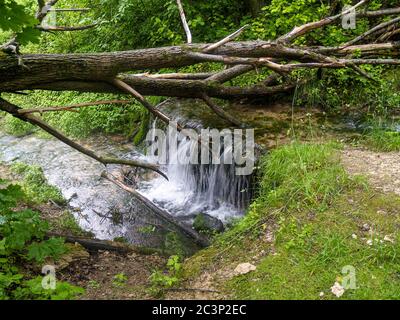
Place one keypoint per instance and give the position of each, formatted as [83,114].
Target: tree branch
[184,22]
[71,107]
[14,111]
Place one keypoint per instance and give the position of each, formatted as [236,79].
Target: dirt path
[382,169]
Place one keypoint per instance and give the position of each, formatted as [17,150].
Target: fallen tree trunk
[47,71]
[192,234]
[107,245]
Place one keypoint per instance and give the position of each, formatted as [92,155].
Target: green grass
[382,140]
[316,212]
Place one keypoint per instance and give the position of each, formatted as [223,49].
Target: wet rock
[206,223]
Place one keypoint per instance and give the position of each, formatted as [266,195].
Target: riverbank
[333,235]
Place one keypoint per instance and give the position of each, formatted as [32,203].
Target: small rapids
[108,212]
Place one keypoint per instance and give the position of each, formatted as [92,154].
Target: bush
[22,239]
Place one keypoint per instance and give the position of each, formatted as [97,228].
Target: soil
[381,169]
[97,275]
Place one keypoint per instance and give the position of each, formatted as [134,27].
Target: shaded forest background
[133,24]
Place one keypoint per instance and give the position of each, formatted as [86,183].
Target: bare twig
[227,39]
[75,106]
[184,21]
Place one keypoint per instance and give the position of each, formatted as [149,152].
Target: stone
[244,268]
[206,223]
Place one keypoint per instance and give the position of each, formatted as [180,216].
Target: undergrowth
[23,242]
[35,186]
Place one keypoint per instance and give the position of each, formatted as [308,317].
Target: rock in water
[206,223]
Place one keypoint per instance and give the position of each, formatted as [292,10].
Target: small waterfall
[214,189]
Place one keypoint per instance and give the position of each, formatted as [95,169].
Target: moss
[35,185]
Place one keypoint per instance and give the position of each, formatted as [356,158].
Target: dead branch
[45,7]
[230,73]
[299,31]
[227,39]
[373,30]
[378,13]
[184,22]
[178,76]
[63,29]
[75,106]
[220,112]
[165,216]
[14,111]
[128,89]
[106,245]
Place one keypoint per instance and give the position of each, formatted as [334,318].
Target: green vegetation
[157,24]
[309,221]
[35,186]
[67,223]
[23,242]
[161,280]
[120,279]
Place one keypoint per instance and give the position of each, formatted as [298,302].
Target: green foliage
[22,239]
[35,186]
[162,280]
[120,280]
[110,119]
[67,223]
[309,231]
[309,173]
[33,289]
[39,251]
[12,125]
[18,18]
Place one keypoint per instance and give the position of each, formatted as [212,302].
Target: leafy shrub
[22,238]
[161,280]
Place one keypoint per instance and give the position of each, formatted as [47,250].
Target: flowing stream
[107,211]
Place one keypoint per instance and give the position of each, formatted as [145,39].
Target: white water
[191,189]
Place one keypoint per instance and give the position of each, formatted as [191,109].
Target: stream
[108,212]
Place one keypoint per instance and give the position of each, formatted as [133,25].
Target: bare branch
[14,111]
[299,31]
[220,112]
[128,89]
[191,233]
[227,39]
[378,13]
[184,22]
[180,76]
[371,31]
[62,29]
[75,106]
[230,73]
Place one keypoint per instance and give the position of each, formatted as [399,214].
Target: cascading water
[214,189]
[102,208]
